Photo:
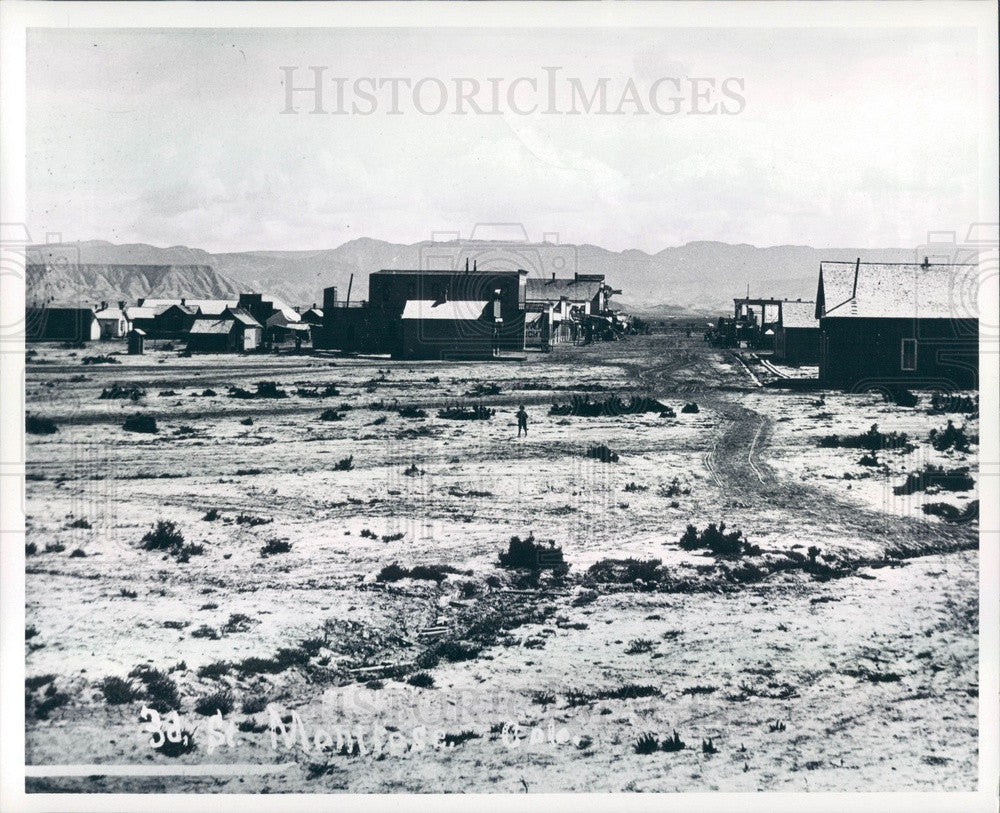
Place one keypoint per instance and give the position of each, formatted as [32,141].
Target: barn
[897,324]
[797,335]
[66,323]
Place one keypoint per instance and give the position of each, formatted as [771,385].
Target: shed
[797,336]
[894,324]
[136,341]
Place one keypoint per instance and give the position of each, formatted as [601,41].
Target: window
[909,354]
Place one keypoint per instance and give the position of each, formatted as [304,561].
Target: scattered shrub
[451,740]
[205,631]
[936,477]
[122,392]
[632,488]
[99,360]
[126,593]
[473,413]
[252,521]
[690,408]
[79,553]
[118,691]
[213,671]
[35,425]
[531,555]
[211,515]
[80,523]
[275,546]
[221,701]
[344,464]
[238,622]
[411,412]
[675,489]
[164,536]
[954,403]
[952,513]
[36,682]
[873,440]
[582,406]
[254,704]
[145,424]
[421,680]
[54,547]
[30,549]
[639,646]
[951,437]
[247,421]
[707,747]
[265,389]
[52,700]
[603,453]
[715,539]
[626,571]
[435,573]
[184,744]
[673,743]
[330,415]
[160,690]
[478,391]
[646,744]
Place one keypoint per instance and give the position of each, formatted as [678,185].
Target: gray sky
[845,138]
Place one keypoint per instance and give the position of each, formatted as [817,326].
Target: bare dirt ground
[850,668]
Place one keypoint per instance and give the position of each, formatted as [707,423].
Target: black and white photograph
[410,399]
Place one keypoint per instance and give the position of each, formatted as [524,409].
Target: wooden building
[114,321]
[797,336]
[897,324]
[234,331]
[377,326]
[64,323]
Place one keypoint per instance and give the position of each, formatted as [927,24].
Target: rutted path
[736,460]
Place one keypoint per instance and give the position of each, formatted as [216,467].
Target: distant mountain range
[699,277]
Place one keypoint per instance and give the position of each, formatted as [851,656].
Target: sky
[825,137]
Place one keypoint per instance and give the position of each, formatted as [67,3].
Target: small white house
[114,321]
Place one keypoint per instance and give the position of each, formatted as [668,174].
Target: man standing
[522,421]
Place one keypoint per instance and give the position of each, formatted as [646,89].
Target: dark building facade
[797,337]
[65,324]
[377,326]
[885,324]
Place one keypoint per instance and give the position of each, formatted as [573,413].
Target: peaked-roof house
[583,293]
[886,325]
[232,331]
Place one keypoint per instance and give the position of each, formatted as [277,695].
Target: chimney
[104,305]
[857,268]
[475,264]
[466,265]
[927,262]
[553,276]
[121,304]
[183,301]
